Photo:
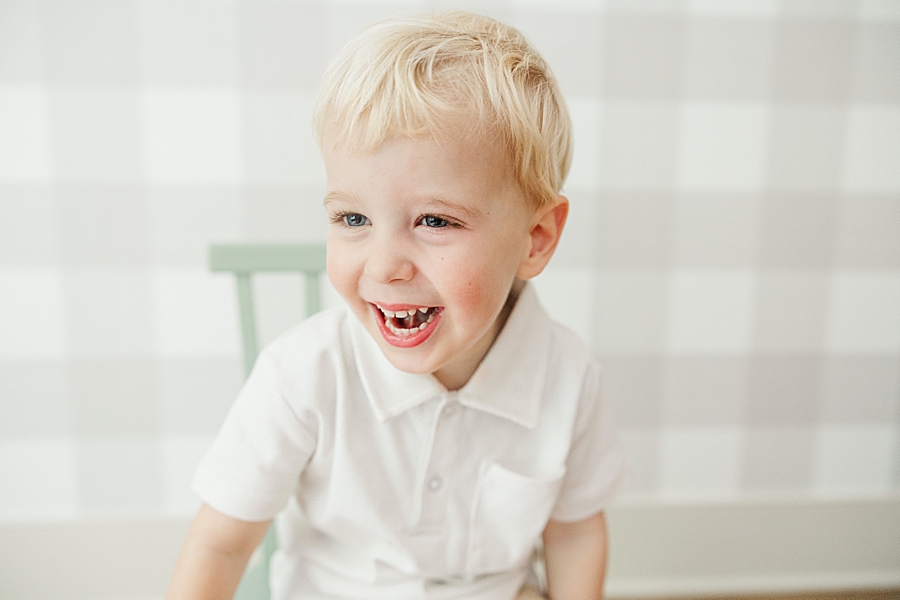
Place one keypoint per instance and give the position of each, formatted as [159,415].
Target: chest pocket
[510,512]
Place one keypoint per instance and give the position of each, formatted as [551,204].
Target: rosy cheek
[470,298]
[476,293]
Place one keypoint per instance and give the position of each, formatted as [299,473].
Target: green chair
[244,260]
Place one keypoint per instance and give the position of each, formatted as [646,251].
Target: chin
[407,364]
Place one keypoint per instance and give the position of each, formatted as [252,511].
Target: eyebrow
[471,212]
[337,196]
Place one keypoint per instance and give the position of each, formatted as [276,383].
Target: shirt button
[435,483]
[449,409]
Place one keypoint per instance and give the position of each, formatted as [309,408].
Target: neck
[455,376]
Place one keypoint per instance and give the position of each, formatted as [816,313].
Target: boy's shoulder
[568,341]
[570,358]
[535,352]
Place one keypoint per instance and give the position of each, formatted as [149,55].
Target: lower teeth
[403,331]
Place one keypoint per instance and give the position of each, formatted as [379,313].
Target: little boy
[417,442]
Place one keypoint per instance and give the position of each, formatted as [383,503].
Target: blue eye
[355,220]
[433,221]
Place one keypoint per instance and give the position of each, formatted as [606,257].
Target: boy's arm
[575,557]
[214,555]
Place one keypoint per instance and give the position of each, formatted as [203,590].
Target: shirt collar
[508,383]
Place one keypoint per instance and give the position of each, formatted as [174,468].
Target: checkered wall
[732,256]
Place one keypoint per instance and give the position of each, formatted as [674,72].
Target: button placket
[435,489]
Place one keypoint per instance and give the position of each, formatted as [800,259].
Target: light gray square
[872,149]
[196,393]
[710,311]
[27,226]
[798,230]
[115,397]
[570,42]
[186,220]
[108,312]
[876,76]
[633,388]
[192,135]
[642,447]
[791,311]
[778,458]
[35,399]
[279,145]
[631,313]
[26,154]
[705,391]
[806,147]
[729,59]
[784,390]
[188,43]
[103,225]
[860,389]
[21,42]
[280,45]
[716,231]
[868,232]
[117,474]
[723,146]
[639,145]
[97,133]
[813,60]
[195,313]
[864,312]
[643,55]
[90,41]
[634,230]
[276,214]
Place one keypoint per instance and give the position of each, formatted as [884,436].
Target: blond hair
[410,77]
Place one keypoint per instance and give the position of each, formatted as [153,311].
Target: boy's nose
[388,260]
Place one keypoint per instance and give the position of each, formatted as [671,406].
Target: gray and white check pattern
[732,255]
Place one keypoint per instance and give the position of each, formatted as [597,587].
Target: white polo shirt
[389,486]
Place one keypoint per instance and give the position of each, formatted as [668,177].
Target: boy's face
[425,242]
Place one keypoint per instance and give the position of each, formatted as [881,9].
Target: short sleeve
[255,462]
[596,462]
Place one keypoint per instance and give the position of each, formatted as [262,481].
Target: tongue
[413,320]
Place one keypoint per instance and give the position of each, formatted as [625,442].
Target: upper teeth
[402,314]
[398,329]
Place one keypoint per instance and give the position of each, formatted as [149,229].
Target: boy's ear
[546,228]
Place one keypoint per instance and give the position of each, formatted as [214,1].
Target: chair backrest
[244,260]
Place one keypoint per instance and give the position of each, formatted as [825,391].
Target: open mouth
[408,327]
